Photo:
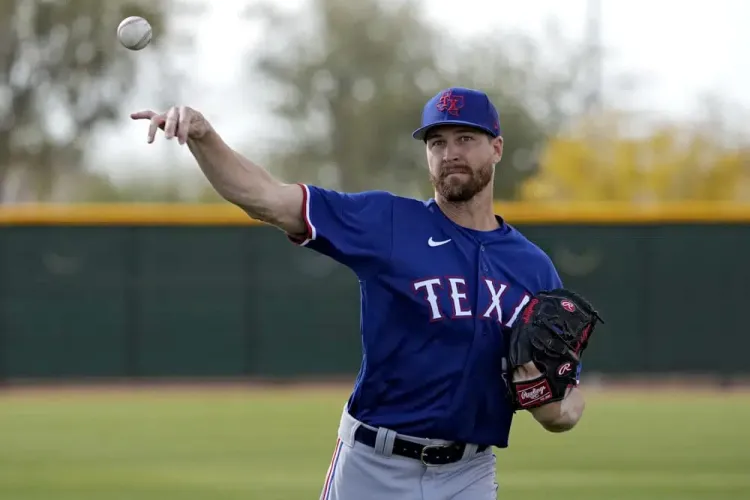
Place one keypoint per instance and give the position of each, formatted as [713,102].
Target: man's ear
[497,144]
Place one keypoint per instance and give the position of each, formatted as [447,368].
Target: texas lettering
[447,297]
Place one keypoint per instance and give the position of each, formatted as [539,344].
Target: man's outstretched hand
[181,122]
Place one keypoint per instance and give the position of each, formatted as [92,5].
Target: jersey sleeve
[547,277]
[553,278]
[555,281]
[355,229]
[549,280]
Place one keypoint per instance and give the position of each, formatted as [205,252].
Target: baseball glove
[553,330]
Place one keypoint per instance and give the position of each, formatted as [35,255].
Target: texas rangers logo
[450,103]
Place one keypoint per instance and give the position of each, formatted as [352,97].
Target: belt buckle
[427,447]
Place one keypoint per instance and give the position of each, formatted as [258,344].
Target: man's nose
[450,153]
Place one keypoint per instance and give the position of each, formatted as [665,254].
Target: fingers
[175,123]
[157,121]
[143,115]
[183,126]
[170,126]
[527,371]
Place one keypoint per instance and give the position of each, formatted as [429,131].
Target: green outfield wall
[202,291]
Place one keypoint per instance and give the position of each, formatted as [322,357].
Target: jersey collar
[485,237]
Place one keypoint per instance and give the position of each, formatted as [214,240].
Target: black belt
[430,454]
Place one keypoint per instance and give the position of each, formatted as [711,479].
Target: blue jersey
[437,301]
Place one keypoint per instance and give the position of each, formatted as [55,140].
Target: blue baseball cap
[459,106]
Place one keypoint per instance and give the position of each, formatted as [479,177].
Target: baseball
[134,33]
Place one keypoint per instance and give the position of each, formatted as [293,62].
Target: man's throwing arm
[248,185]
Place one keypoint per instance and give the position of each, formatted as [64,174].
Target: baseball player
[457,330]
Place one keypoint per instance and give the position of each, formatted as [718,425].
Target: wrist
[204,135]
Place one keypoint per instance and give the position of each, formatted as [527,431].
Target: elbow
[262,202]
[559,427]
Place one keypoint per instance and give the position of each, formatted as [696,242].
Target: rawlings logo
[534,394]
[564,368]
[450,103]
[568,305]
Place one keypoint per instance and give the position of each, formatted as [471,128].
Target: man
[441,283]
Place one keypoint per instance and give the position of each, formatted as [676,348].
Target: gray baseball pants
[361,472]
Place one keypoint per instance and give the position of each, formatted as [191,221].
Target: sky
[677,51]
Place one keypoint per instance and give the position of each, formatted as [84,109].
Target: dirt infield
[596,384]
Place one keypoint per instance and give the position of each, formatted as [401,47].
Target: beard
[463,188]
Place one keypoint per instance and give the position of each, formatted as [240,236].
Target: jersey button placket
[483,270]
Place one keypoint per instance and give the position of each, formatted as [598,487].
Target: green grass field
[276,444]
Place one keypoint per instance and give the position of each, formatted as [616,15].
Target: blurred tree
[603,160]
[63,73]
[537,84]
[165,185]
[353,78]
[98,188]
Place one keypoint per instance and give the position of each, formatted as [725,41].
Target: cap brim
[420,133]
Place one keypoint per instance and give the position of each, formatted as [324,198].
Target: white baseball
[134,33]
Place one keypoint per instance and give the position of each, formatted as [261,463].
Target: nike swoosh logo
[434,243]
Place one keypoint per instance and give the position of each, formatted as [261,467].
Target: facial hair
[460,189]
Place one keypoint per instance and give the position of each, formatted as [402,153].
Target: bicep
[283,207]
[290,203]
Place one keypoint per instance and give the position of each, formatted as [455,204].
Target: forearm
[240,182]
[245,184]
[561,416]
